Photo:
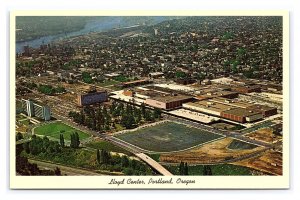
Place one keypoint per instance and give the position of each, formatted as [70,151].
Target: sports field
[168,136]
[55,129]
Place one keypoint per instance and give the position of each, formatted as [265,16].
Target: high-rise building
[34,109]
[92,98]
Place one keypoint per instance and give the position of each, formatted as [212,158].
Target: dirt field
[265,135]
[270,162]
[210,153]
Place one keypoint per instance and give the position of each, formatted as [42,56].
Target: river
[91,26]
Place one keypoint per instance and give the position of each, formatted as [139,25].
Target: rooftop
[171,98]
[214,106]
[241,112]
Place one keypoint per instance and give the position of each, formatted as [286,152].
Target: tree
[200,77]
[143,109]
[157,113]
[124,161]
[104,156]
[148,116]
[19,136]
[181,168]
[128,121]
[207,170]
[138,116]
[57,171]
[186,169]
[26,147]
[75,142]
[98,156]
[61,140]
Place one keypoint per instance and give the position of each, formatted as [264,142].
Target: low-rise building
[168,102]
[242,115]
[247,89]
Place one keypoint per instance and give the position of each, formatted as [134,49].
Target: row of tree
[38,145]
[183,168]
[127,166]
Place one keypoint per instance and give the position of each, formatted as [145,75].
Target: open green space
[217,170]
[25,122]
[55,129]
[107,146]
[168,136]
[236,144]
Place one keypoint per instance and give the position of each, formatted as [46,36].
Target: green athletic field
[168,137]
[55,129]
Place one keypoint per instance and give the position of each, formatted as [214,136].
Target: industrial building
[34,109]
[231,109]
[206,106]
[168,102]
[242,115]
[265,110]
[247,89]
[136,83]
[209,101]
[91,98]
[214,94]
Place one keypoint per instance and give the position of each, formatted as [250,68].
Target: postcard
[149,100]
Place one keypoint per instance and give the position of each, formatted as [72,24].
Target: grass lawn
[25,122]
[168,136]
[217,170]
[154,156]
[54,130]
[119,127]
[20,117]
[107,146]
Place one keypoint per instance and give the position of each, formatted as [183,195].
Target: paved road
[154,164]
[64,169]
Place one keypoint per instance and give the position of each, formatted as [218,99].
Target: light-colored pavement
[154,164]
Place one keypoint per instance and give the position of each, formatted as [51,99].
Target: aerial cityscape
[149,96]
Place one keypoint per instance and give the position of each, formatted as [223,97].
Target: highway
[154,164]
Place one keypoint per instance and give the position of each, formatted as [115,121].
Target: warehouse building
[231,102]
[214,94]
[136,83]
[168,102]
[208,107]
[265,110]
[247,89]
[242,115]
